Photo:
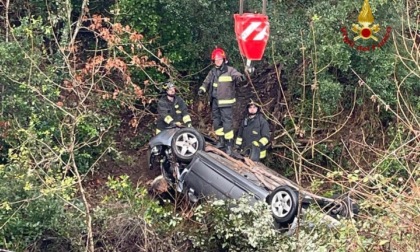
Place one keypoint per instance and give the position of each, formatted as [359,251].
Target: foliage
[60,113]
[35,203]
[325,55]
[381,225]
[128,219]
[186,30]
[351,120]
[239,226]
[335,90]
[235,226]
[330,93]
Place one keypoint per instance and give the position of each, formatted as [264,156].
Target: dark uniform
[220,84]
[171,112]
[254,131]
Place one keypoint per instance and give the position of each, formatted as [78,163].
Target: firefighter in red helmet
[220,85]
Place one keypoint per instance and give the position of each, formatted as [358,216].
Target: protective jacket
[172,112]
[254,131]
[220,84]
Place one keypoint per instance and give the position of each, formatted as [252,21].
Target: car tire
[284,203]
[185,143]
[253,153]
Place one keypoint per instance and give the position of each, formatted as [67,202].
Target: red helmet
[219,53]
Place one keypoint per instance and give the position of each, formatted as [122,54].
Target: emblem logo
[365,30]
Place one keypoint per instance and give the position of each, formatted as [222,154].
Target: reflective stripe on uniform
[219,132]
[186,119]
[224,102]
[176,106]
[229,135]
[215,84]
[178,111]
[263,154]
[263,141]
[168,119]
[239,141]
[157,131]
[225,78]
[202,88]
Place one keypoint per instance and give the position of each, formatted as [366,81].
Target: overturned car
[188,160]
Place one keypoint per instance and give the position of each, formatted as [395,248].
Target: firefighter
[172,110]
[253,131]
[220,85]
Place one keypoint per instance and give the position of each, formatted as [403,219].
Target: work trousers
[222,120]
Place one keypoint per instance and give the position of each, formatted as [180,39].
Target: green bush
[34,203]
[235,225]
[128,219]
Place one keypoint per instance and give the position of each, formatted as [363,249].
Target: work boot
[220,143]
[229,147]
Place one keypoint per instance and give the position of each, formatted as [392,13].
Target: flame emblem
[364,29]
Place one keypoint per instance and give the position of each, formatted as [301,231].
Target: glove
[201,92]
[255,143]
[178,124]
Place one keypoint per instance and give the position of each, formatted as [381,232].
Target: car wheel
[284,203]
[185,143]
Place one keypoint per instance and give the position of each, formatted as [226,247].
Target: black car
[187,161]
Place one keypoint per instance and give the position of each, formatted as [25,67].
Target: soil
[133,163]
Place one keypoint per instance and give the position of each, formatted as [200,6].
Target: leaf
[383,242]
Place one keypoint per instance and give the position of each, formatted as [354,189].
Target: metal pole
[264,6]
[7,20]
[241,7]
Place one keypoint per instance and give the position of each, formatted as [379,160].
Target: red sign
[252,31]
